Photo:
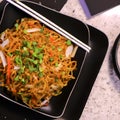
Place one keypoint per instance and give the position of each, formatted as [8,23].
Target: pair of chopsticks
[48,23]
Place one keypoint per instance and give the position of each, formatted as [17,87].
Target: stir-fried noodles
[33,62]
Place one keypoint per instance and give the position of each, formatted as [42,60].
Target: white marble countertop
[104,100]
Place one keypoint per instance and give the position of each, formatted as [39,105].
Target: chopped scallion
[23,81]
[40,56]
[56,64]
[10,54]
[37,50]
[16,78]
[41,61]
[53,47]
[51,59]
[34,43]
[59,49]
[29,45]
[25,53]
[31,68]
[35,62]
[17,52]
[25,31]
[16,26]
[60,56]
[68,42]
[18,60]
[41,74]
[42,29]
[56,79]
[22,69]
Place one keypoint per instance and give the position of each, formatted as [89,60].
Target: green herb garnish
[68,42]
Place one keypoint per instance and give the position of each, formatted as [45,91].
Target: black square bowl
[70,103]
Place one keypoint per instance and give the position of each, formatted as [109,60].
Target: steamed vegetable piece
[3,59]
[69,50]
[35,62]
[4,42]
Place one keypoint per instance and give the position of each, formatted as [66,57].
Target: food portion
[35,62]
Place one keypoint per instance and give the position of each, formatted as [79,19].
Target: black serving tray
[93,7]
[79,91]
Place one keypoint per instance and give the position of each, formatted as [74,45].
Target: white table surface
[104,100]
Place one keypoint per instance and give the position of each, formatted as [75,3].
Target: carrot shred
[31,24]
[51,53]
[14,91]
[8,70]
[52,39]
[59,75]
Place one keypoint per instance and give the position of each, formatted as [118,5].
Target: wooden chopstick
[48,23]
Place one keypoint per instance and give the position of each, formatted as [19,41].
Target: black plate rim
[114,56]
